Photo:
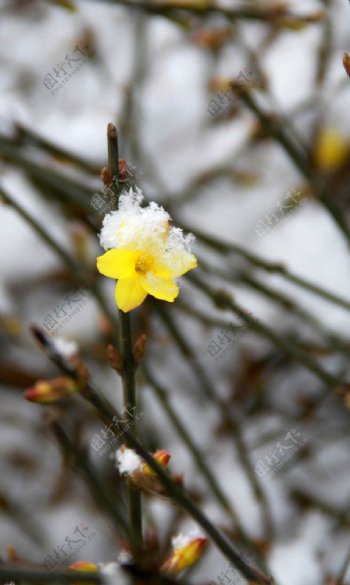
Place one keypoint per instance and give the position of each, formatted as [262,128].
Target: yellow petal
[182,263]
[129,293]
[160,288]
[184,557]
[161,270]
[117,263]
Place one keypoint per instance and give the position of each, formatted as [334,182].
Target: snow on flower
[113,574]
[141,474]
[145,253]
[65,347]
[182,540]
[127,461]
[187,548]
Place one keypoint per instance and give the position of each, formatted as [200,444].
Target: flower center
[143,264]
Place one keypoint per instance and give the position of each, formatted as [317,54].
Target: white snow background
[179,139]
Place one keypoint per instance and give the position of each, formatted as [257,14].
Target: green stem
[129,392]
[109,414]
[94,396]
[126,349]
[201,463]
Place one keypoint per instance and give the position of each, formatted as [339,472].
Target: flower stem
[126,350]
[200,461]
[129,391]
[94,396]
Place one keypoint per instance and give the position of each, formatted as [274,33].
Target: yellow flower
[186,551]
[147,253]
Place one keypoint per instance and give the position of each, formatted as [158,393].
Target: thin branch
[274,128]
[264,331]
[200,461]
[83,465]
[95,397]
[285,301]
[274,15]
[209,390]
[81,275]
[126,349]
[27,135]
[343,570]
[268,266]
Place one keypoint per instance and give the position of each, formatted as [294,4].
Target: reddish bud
[49,391]
[162,457]
[186,551]
[139,348]
[106,176]
[115,359]
[83,567]
[346,63]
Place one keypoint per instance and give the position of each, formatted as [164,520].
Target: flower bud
[213,38]
[115,359]
[346,63]
[162,457]
[49,391]
[141,474]
[123,169]
[187,549]
[139,348]
[83,567]
[106,176]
